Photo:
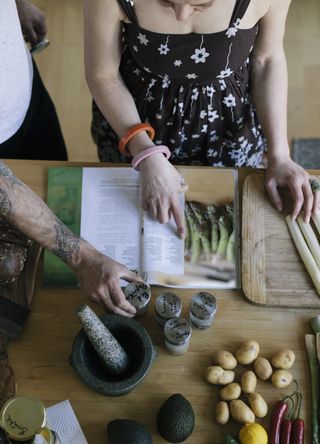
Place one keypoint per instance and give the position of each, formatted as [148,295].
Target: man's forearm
[20,206]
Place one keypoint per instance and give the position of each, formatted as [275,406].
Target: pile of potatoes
[222,373]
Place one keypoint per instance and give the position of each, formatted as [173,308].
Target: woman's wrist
[138,143]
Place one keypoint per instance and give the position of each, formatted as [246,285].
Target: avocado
[126,431]
[175,419]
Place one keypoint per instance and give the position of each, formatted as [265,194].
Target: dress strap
[128,8]
[239,10]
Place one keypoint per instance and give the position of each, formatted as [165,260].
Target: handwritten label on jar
[202,310]
[177,334]
[168,305]
[139,295]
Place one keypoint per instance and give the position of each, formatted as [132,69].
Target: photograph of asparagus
[305,238]
[210,240]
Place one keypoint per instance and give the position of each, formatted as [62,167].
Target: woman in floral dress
[209,76]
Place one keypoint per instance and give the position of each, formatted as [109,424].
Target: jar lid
[177,331]
[168,305]
[22,416]
[203,305]
[138,294]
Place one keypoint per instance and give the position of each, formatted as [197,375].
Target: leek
[304,252]
[311,239]
[315,324]
[310,342]
[316,220]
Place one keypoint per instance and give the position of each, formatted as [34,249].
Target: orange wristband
[132,132]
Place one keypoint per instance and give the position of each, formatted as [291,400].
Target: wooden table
[40,357]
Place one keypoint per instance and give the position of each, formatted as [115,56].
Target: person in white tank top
[98,275]
[29,126]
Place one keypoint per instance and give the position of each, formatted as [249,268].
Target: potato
[248,352]
[240,412]
[258,405]
[248,382]
[262,368]
[230,392]
[281,378]
[225,359]
[217,375]
[222,413]
[283,359]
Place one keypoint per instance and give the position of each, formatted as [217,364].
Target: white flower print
[195,93]
[231,32]
[164,48]
[142,39]
[191,76]
[187,122]
[177,62]
[212,114]
[230,100]
[200,55]
[255,160]
[218,164]
[213,136]
[210,152]
[137,71]
[180,106]
[158,142]
[149,97]
[195,136]
[158,116]
[202,114]
[165,81]
[204,128]
[225,73]
[222,84]
[181,89]
[130,1]
[135,48]
[183,137]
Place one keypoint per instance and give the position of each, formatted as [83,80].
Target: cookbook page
[110,213]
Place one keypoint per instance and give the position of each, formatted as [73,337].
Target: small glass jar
[23,418]
[177,334]
[168,305]
[203,309]
[139,295]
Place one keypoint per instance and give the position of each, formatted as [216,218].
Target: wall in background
[62,70]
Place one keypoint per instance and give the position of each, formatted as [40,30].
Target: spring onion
[304,252]
[310,342]
[311,239]
[316,220]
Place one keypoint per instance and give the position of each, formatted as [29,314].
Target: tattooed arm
[98,275]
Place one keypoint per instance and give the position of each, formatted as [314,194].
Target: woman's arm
[160,182]
[269,87]
[98,275]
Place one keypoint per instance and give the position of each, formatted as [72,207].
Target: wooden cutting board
[272,272]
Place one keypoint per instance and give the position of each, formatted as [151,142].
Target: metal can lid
[177,331]
[22,416]
[168,305]
[138,294]
[203,305]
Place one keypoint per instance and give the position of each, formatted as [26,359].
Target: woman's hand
[161,184]
[285,172]
[33,22]
[99,279]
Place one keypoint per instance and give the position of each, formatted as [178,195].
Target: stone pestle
[107,347]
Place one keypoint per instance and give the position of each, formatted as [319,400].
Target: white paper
[61,419]
[110,214]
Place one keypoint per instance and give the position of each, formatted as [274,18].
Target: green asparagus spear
[224,235]
[213,215]
[200,223]
[230,254]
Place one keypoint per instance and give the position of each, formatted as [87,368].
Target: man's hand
[33,22]
[99,278]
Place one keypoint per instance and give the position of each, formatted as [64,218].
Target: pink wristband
[148,152]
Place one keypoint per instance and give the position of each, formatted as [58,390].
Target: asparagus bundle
[210,232]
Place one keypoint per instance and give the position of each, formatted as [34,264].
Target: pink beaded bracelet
[148,152]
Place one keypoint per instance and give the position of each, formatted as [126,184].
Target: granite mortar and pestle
[112,354]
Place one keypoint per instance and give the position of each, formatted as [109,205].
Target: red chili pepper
[298,425]
[286,426]
[278,413]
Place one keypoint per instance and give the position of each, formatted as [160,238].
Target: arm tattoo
[7,174]
[68,243]
[5,204]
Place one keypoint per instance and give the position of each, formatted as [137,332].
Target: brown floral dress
[194,89]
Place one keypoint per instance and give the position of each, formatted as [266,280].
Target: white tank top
[16,71]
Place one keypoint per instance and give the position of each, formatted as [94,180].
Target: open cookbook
[106,203]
